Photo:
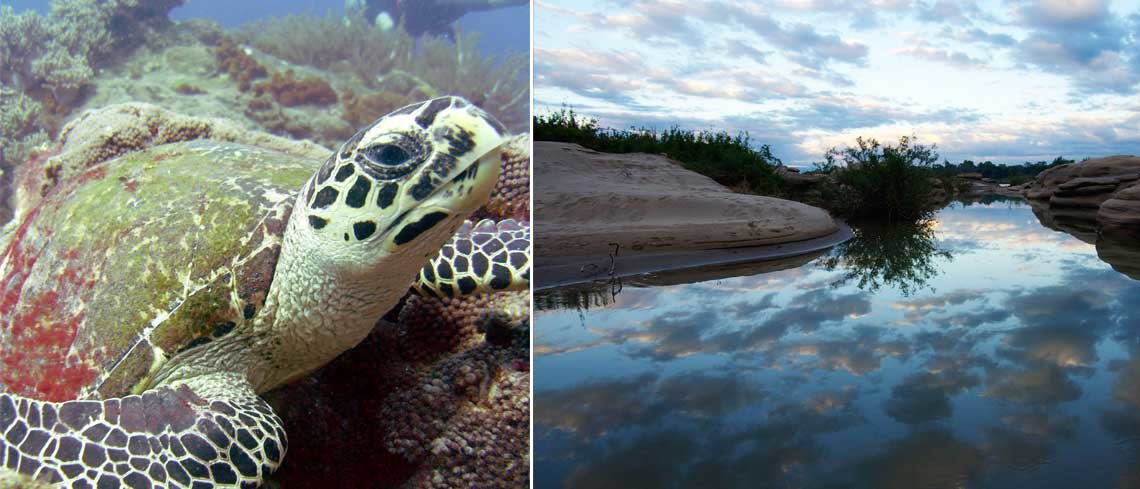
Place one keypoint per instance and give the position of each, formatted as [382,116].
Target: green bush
[730,160]
[1019,179]
[887,182]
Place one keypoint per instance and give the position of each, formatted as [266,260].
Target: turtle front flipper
[212,431]
[480,258]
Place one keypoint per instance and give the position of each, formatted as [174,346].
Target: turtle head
[365,224]
[402,185]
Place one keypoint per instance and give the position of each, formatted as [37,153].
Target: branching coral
[51,59]
[290,91]
[19,134]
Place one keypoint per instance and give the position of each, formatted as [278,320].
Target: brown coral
[385,413]
[361,110]
[188,89]
[290,91]
[241,67]
[438,326]
[468,422]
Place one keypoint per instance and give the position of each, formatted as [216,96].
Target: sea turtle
[148,300]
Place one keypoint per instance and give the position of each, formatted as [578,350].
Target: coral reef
[51,59]
[290,91]
[467,422]
[435,327]
[391,63]
[21,135]
[458,420]
[330,43]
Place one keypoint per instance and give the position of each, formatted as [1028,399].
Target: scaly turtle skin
[149,300]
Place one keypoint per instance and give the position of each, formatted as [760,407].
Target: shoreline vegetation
[870,181]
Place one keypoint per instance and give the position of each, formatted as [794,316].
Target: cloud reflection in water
[1010,361]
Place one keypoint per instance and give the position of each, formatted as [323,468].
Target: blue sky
[1003,81]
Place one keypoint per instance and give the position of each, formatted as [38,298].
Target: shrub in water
[884,182]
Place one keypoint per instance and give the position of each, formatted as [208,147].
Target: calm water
[982,351]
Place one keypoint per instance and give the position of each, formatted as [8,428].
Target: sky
[1005,81]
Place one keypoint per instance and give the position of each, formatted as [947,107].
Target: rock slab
[587,201]
[1109,185]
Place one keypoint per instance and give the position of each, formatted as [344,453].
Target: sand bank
[657,215]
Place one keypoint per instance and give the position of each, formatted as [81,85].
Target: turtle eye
[387,155]
[393,157]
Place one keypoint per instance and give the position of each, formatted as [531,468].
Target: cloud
[926,396]
[801,42]
[798,78]
[973,319]
[597,75]
[593,409]
[927,458]
[1045,385]
[927,52]
[954,297]
[1025,441]
[745,310]
[1068,14]
[1082,40]
[979,36]
[860,353]
[810,310]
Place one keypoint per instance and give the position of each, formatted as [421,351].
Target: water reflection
[1014,364]
[901,256]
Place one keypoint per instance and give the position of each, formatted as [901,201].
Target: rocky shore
[1109,185]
